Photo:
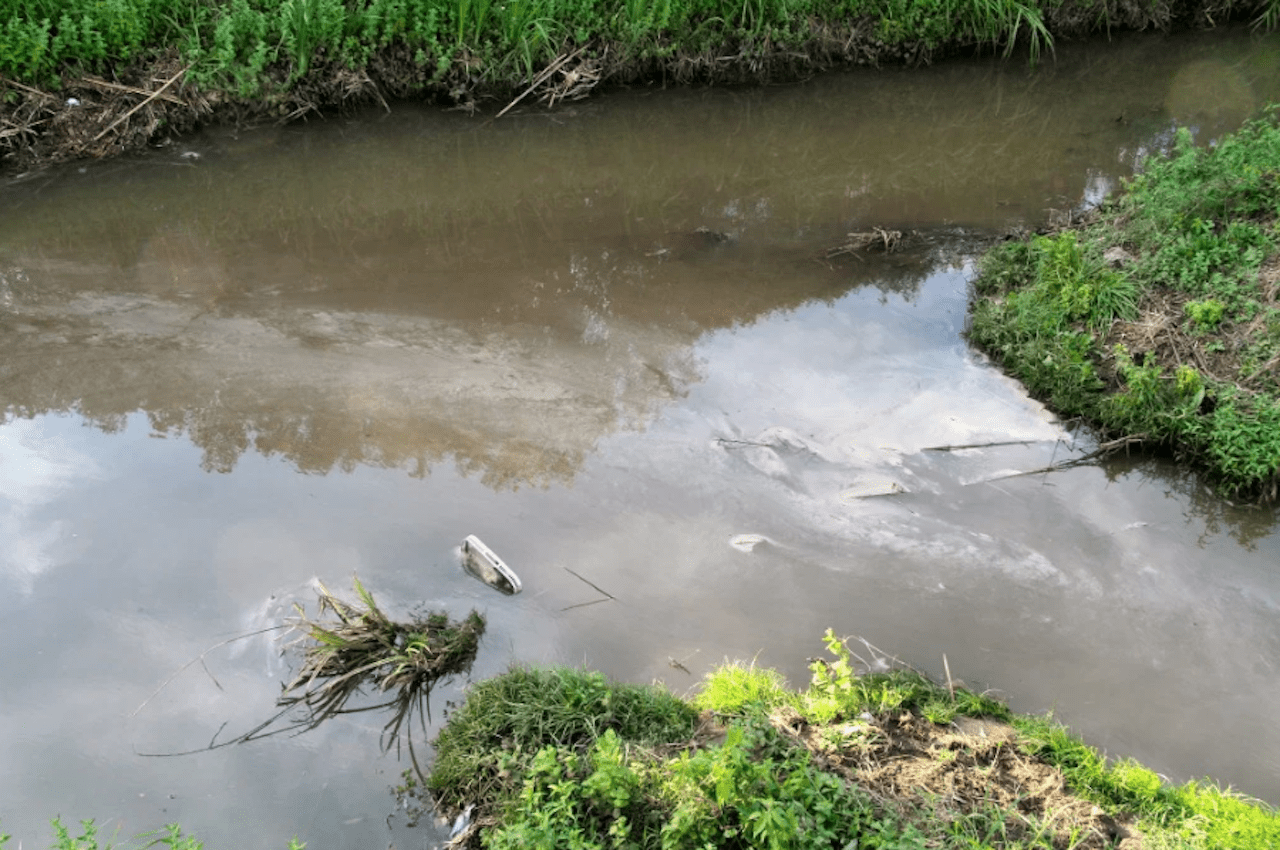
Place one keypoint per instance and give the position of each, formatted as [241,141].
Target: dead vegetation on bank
[147,104]
[1228,356]
[970,766]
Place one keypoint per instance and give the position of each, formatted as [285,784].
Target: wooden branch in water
[982,445]
[888,239]
[1105,450]
[200,658]
[585,604]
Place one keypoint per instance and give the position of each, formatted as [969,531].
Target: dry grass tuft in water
[360,644]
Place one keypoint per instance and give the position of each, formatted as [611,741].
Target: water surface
[604,339]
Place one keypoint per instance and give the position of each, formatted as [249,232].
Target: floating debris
[871,487]
[876,237]
[606,596]
[484,564]
[747,542]
[363,645]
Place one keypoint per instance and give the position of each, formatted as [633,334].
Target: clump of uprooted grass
[360,645]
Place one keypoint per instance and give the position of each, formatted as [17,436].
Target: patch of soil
[969,766]
[1162,330]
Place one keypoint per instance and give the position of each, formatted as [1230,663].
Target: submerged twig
[585,604]
[200,658]
[593,584]
[1103,451]
[609,596]
[981,445]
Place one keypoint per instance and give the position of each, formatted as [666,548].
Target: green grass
[1200,225]
[1193,816]
[752,791]
[172,837]
[507,720]
[244,45]
[565,758]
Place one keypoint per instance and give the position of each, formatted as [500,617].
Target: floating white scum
[484,564]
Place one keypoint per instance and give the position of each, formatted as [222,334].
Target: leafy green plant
[569,801]
[735,687]
[755,791]
[837,690]
[1206,315]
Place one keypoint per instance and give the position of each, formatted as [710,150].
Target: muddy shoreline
[151,102]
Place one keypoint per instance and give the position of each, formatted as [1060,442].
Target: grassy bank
[88,837]
[564,758]
[1158,318]
[93,77]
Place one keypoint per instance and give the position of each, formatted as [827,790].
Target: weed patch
[1175,343]
[487,748]
[885,759]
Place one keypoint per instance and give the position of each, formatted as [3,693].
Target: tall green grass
[231,44]
[507,720]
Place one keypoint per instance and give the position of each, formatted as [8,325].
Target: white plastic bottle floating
[479,560]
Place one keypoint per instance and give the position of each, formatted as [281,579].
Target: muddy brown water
[255,359]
